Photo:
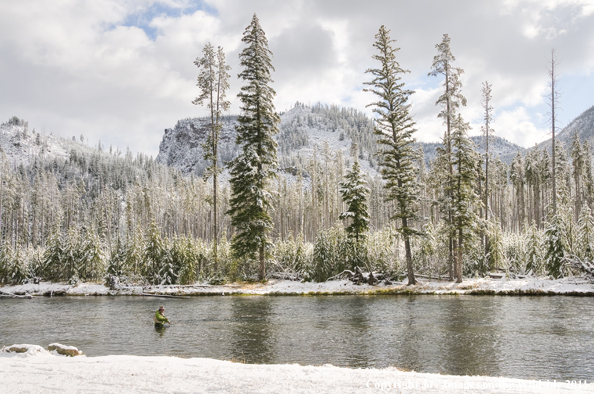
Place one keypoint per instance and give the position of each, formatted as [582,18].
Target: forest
[382,207]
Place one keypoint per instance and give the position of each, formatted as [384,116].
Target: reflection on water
[252,330]
[526,337]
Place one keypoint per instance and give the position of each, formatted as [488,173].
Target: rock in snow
[64,350]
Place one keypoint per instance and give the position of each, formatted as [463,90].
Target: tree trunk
[262,274]
[409,264]
[459,259]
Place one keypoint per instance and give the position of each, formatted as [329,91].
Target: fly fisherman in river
[160,318]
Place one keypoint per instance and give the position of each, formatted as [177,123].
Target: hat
[161,308]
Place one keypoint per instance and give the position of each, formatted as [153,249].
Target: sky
[122,71]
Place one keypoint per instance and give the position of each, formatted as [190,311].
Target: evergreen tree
[487,132]
[71,255]
[252,170]
[554,247]
[585,238]
[169,265]
[450,101]
[355,194]
[394,127]
[117,260]
[153,254]
[534,255]
[464,198]
[578,162]
[134,252]
[213,82]
[52,258]
[92,261]
[518,179]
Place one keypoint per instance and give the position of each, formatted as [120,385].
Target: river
[548,338]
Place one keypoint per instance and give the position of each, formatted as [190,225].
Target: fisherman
[160,318]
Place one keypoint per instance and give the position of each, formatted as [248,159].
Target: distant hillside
[20,145]
[583,125]
[303,130]
[498,147]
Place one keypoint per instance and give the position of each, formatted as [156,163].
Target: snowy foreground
[478,286]
[39,371]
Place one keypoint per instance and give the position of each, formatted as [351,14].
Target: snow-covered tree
[116,265]
[153,254]
[487,132]
[534,253]
[553,102]
[395,127]
[449,101]
[462,191]
[585,236]
[252,170]
[578,163]
[354,194]
[91,264]
[213,81]
[554,246]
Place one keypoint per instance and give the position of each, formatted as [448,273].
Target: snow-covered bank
[42,372]
[474,286]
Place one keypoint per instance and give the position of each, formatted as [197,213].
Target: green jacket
[160,319]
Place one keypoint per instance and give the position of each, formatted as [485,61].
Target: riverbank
[43,372]
[575,286]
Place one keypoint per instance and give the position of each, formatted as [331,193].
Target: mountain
[583,125]
[303,130]
[21,145]
[498,146]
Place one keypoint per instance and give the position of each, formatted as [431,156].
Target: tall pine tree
[213,81]
[450,101]
[254,168]
[394,128]
[463,196]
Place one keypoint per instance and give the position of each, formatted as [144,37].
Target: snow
[43,372]
[530,286]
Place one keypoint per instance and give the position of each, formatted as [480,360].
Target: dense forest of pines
[98,213]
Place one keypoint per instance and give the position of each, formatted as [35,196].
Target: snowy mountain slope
[21,145]
[583,125]
[303,130]
[498,146]
[181,146]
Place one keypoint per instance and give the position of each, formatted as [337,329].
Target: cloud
[517,125]
[122,71]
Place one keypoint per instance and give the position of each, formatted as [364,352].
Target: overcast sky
[121,71]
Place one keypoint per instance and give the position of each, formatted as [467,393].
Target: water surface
[522,337]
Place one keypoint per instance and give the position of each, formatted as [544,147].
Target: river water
[549,338]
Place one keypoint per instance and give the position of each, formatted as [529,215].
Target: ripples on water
[524,337]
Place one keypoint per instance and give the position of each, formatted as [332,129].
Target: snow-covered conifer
[585,236]
[354,194]
[394,128]
[91,264]
[534,253]
[462,191]
[252,170]
[213,81]
[450,101]
[554,247]
[153,254]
